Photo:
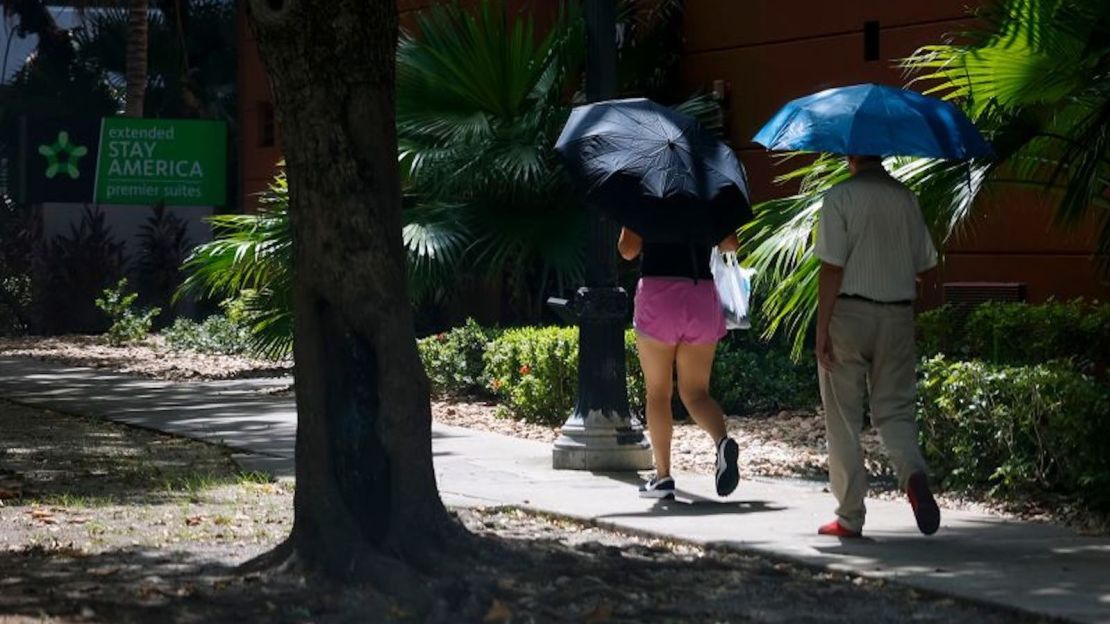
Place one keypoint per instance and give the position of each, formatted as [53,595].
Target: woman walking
[678,321]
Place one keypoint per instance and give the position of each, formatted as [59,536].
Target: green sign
[171,161]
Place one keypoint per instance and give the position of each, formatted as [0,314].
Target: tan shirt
[872,226]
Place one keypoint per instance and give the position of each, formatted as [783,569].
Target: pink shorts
[679,310]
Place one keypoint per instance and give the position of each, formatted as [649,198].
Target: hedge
[533,372]
[1019,333]
[1016,430]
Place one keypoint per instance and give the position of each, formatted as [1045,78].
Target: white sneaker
[658,488]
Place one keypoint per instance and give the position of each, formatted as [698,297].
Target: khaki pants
[874,349]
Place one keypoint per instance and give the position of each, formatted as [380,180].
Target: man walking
[874,246]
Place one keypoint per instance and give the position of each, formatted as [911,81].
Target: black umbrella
[655,171]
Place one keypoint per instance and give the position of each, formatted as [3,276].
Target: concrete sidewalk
[1036,567]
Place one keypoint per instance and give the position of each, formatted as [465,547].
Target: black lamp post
[600,434]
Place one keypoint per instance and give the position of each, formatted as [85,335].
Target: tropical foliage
[250,259]
[1037,83]
[129,324]
[480,101]
[481,98]
[82,71]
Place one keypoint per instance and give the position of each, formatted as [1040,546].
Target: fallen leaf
[498,612]
[44,516]
[602,613]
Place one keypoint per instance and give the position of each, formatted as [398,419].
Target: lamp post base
[602,442]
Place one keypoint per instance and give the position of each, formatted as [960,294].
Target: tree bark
[138,30]
[366,494]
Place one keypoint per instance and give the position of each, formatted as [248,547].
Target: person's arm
[831,247]
[729,243]
[828,288]
[630,244]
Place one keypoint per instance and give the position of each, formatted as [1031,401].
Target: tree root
[434,581]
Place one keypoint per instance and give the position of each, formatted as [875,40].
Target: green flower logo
[63,156]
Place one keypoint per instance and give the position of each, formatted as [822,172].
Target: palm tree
[1036,80]
[189,73]
[137,33]
[190,68]
[480,100]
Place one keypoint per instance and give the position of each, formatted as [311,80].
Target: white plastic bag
[734,287]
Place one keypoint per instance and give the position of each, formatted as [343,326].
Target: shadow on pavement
[689,505]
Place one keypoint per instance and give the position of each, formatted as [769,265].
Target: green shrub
[217,334]
[534,371]
[1015,333]
[1019,333]
[636,389]
[454,360]
[751,381]
[939,332]
[15,303]
[1016,430]
[128,324]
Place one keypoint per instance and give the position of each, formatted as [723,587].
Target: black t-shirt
[675,260]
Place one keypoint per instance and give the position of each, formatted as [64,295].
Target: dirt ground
[107,523]
[150,358]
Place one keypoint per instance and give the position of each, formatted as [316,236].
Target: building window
[871,41]
[265,124]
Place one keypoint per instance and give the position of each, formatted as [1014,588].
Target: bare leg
[657,362]
[695,363]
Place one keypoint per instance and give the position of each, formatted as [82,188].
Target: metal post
[600,434]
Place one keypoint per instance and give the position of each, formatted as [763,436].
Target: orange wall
[770,52]
[257,162]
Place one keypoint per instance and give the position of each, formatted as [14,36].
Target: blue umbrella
[874,120]
[655,170]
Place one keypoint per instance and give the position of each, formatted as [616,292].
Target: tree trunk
[138,26]
[366,493]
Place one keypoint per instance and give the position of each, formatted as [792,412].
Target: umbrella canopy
[655,171]
[874,120]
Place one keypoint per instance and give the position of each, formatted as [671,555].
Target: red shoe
[836,529]
[925,508]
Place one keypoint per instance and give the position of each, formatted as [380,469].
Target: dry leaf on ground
[498,612]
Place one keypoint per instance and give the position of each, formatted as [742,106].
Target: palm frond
[436,236]
[1038,81]
[268,314]
[780,240]
[705,109]
[251,258]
